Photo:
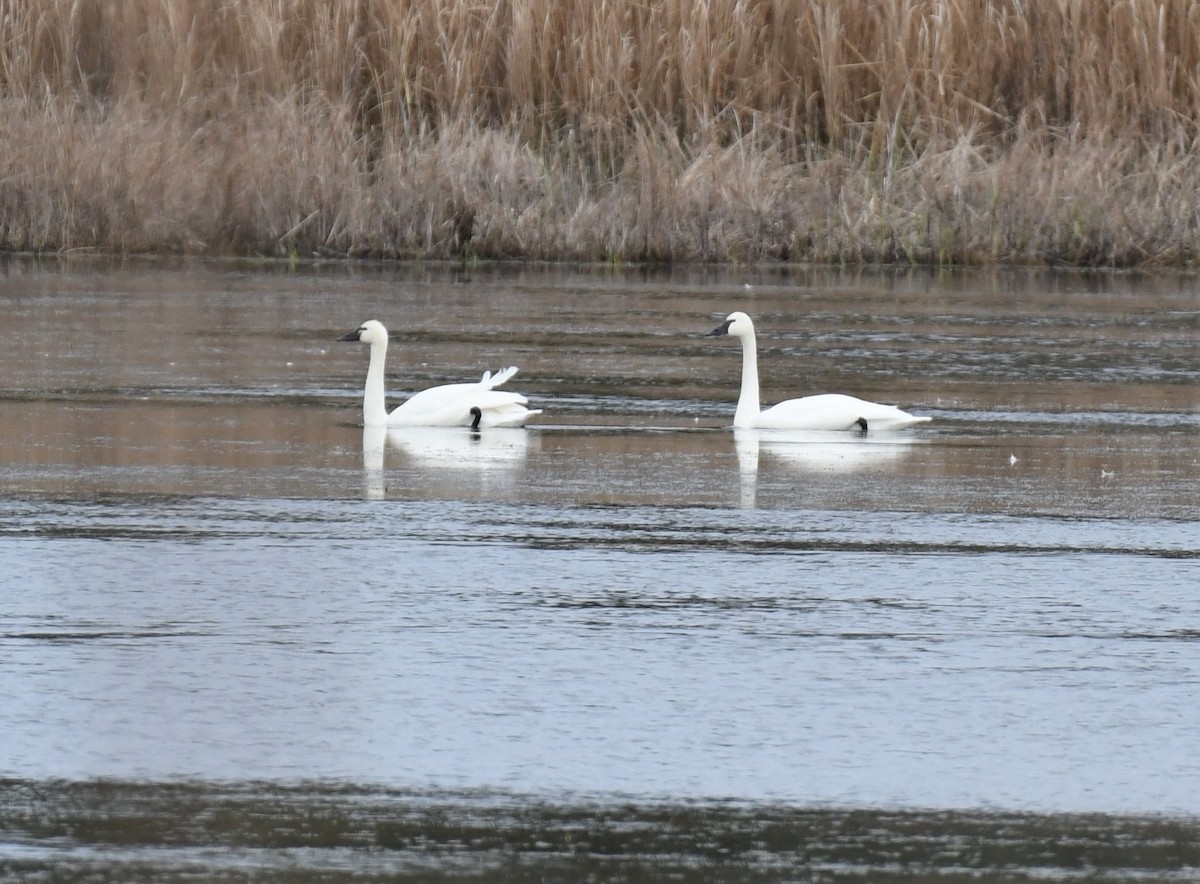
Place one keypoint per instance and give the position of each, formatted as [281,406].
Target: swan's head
[737,324]
[370,332]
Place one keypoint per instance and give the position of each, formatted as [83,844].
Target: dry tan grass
[720,130]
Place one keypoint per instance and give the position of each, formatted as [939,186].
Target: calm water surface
[625,641]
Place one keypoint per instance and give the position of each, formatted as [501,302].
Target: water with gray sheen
[241,636]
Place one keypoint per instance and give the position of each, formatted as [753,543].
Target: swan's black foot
[477,414]
[862,426]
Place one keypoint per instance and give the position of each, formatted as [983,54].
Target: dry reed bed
[717,130]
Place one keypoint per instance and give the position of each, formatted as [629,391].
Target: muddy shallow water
[216,583]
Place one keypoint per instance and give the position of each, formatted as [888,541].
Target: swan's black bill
[721,330]
[355,335]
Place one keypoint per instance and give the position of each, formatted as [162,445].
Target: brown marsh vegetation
[944,131]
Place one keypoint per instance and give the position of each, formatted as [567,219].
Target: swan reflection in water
[497,449]
[814,451]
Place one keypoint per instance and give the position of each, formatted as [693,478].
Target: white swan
[827,411]
[450,405]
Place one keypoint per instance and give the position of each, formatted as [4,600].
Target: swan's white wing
[450,405]
[833,411]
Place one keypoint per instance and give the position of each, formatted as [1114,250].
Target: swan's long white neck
[374,409]
[747,407]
